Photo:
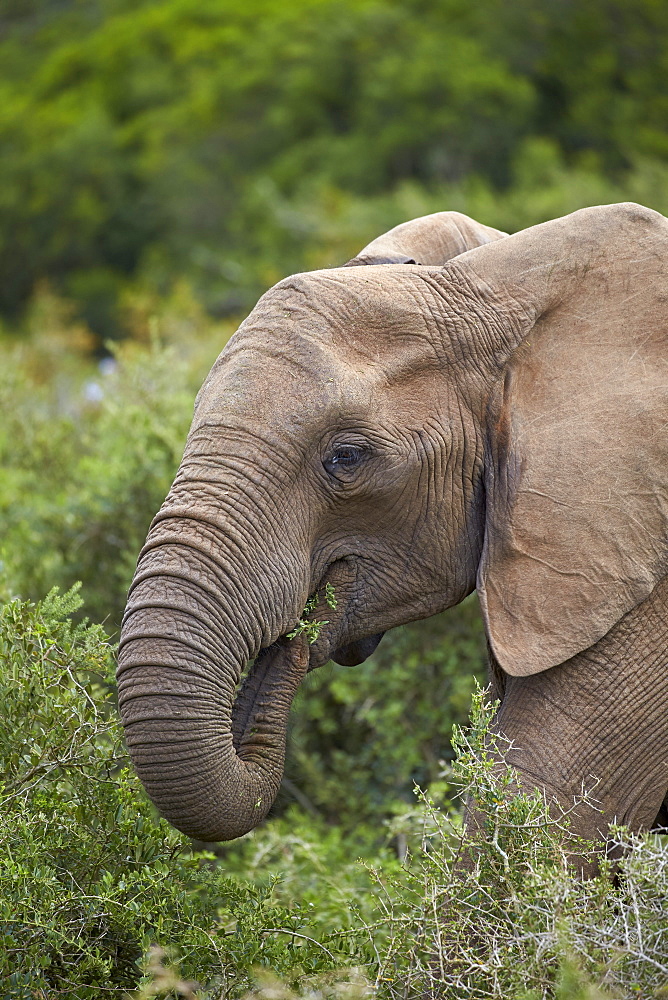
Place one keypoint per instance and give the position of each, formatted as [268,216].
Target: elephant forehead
[288,396]
[320,341]
[359,315]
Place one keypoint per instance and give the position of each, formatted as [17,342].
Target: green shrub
[89,876]
[98,896]
[516,923]
[87,460]
[150,140]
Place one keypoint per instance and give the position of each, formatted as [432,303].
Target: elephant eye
[344,457]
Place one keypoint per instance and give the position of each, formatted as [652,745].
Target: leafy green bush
[87,460]
[515,921]
[89,876]
[98,896]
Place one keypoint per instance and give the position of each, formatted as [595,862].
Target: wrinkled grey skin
[409,432]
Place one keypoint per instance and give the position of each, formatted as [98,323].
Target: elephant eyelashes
[344,457]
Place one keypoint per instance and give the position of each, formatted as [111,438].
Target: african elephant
[407,433]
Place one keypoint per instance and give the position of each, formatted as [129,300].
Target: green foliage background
[161,164]
[233,143]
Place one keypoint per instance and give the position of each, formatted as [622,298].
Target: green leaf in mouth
[308,627]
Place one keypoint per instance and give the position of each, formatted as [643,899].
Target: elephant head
[405,433]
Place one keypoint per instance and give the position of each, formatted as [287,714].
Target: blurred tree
[142,141]
[154,139]
[599,72]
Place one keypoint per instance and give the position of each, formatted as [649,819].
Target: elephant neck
[598,718]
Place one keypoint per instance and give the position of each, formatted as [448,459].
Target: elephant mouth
[284,663]
[336,640]
[353,653]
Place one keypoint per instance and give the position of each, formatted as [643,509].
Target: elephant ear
[577,462]
[432,239]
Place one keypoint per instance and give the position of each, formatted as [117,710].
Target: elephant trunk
[212,769]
